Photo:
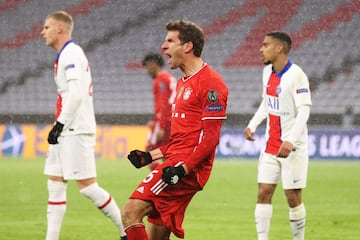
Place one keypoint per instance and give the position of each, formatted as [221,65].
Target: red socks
[136,232]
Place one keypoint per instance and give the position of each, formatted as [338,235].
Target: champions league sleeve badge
[212,96]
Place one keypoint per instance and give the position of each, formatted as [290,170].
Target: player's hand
[285,149]
[172,175]
[139,158]
[55,133]
[249,135]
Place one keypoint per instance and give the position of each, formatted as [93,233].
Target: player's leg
[56,186]
[268,175]
[133,213]
[158,232]
[297,213]
[78,155]
[294,180]
[263,210]
[103,200]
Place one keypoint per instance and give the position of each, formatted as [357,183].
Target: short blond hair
[63,17]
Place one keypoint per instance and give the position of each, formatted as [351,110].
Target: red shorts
[170,201]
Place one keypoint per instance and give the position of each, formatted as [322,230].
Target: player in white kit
[71,154]
[286,102]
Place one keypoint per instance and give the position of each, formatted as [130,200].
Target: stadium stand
[117,34]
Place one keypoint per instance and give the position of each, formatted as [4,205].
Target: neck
[280,64]
[192,67]
[60,44]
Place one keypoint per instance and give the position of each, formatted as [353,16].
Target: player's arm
[255,121]
[72,101]
[140,158]
[68,110]
[303,113]
[209,142]
[171,175]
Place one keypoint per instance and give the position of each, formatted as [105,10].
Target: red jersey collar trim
[184,79]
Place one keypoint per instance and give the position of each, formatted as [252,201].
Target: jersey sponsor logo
[187,93]
[214,108]
[69,66]
[302,90]
[273,103]
[212,96]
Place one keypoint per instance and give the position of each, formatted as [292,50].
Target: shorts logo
[140,189]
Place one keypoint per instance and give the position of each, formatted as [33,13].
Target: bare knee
[294,197]
[265,192]
[134,210]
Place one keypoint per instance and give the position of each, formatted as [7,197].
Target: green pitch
[224,210]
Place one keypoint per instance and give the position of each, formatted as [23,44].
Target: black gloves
[172,175]
[55,133]
[139,158]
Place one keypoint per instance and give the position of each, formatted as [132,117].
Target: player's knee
[265,195]
[134,210]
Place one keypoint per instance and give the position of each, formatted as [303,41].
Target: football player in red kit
[198,112]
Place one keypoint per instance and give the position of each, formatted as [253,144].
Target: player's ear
[188,47]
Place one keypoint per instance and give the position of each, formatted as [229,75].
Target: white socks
[56,208]
[105,203]
[263,214]
[297,217]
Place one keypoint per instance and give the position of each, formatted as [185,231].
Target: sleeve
[210,141]
[71,101]
[73,68]
[214,100]
[300,123]
[302,90]
[258,117]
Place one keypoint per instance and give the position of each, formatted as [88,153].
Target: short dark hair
[153,57]
[188,32]
[283,37]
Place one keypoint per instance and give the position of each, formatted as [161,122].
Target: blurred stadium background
[117,33]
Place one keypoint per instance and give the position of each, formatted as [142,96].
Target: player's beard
[267,62]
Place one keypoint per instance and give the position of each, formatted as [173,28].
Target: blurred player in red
[71,154]
[164,92]
[286,106]
[198,112]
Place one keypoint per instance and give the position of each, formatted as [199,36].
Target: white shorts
[73,158]
[292,171]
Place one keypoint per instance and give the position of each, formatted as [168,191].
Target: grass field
[224,210]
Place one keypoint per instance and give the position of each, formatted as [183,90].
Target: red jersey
[200,97]
[164,87]
[164,92]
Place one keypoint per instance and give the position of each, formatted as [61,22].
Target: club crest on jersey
[187,93]
[278,89]
[212,96]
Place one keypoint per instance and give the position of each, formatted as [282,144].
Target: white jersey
[283,94]
[74,106]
